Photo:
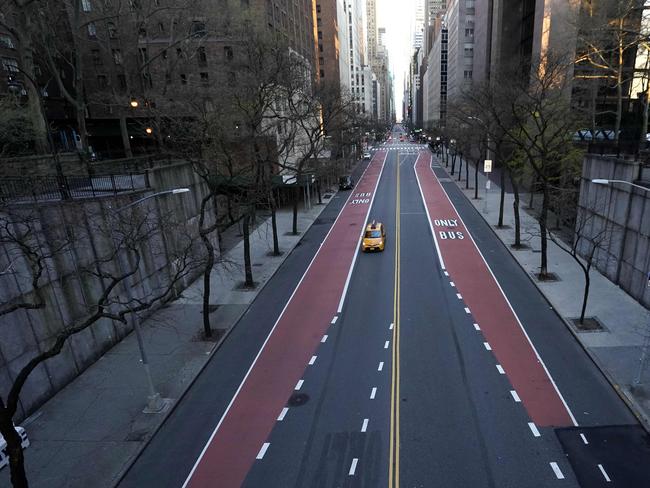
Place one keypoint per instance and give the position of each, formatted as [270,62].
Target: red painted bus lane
[263,393]
[488,305]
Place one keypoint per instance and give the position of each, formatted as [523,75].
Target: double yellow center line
[393,469]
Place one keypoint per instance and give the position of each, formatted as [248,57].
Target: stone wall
[68,292]
[622,214]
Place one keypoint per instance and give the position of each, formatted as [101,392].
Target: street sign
[487,166]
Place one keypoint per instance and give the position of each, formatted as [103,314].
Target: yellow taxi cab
[374,239]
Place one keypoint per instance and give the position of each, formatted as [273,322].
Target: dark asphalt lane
[586,391]
[170,455]
[315,444]
[459,423]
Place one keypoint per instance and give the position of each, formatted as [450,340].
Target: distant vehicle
[367,155]
[374,239]
[346,183]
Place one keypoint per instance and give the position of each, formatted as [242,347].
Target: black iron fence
[17,189]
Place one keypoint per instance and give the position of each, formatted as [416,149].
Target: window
[112,30]
[121,82]
[320,48]
[231,79]
[204,79]
[201,57]
[142,33]
[318,8]
[227,52]
[467,74]
[183,79]
[320,35]
[92,30]
[469,52]
[85,5]
[198,29]
[10,64]
[469,32]
[102,81]
[97,57]
[117,56]
[7,42]
[322,74]
[321,60]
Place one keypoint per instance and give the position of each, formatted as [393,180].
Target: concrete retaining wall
[624,211]
[69,291]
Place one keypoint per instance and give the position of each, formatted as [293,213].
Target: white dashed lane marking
[602,470]
[477,327]
[353,467]
[534,429]
[299,384]
[487,346]
[556,469]
[312,360]
[381,366]
[373,393]
[324,339]
[334,320]
[265,447]
[584,439]
[467,310]
[364,426]
[500,369]
[460,297]
[282,414]
[386,344]
[515,396]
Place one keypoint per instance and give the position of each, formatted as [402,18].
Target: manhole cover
[298,399]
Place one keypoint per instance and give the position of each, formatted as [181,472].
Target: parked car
[367,155]
[346,183]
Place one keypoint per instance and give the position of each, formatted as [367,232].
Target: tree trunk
[453,163]
[320,197]
[14,450]
[467,175]
[515,210]
[207,272]
[533,185]
[476,181]
[502,198]
[296,198]
[248,268]
[460,166]
[543,225]
[274,225]
[585,295]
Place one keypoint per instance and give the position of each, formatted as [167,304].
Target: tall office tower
[355,10]
[460,26]
[333,42]
[418,26]
[371,29]
[433,8]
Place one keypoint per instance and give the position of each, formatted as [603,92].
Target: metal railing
[17,189]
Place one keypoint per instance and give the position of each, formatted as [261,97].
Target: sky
[398,16]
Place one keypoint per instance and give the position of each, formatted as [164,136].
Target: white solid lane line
[467,310]
[534,429]
[584,439]
[487,346]
[381,366]
[364,427]
[373,393]
[312,360]
[265,447]
[557,470]
[477,327]
[353,467]
[602,470]
[515,396]
[282,414]
[500,369]
[299,384]
[386,344]
[324,338]
[334,320]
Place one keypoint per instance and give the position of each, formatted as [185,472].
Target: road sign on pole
[487,166]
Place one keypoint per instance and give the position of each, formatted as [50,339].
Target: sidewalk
[88,434]
[617,348]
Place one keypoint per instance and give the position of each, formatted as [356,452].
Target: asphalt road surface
[435,363]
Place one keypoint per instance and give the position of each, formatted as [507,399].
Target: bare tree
[126,238]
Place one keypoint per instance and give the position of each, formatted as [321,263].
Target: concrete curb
[120,476]
[622,392]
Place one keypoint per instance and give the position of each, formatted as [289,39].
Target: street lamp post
[646,339]
[155,403]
